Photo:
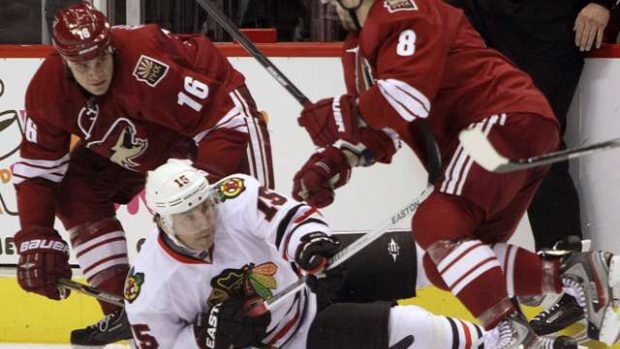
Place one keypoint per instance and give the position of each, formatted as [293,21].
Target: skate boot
[563,313]
[515,333]
[113,328]
[591,277]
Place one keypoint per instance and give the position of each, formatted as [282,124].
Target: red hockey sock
[527,274]
[472,272]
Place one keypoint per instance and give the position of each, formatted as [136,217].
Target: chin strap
[352,12]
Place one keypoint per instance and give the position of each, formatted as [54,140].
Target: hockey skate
[111,329]
[515,333]
[591,278]
[563,313]
[565,310]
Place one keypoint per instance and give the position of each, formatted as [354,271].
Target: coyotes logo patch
[150,71]
[400,5]
[230,188]
[248,281]
[133,285]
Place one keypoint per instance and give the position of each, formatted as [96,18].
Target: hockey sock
[526,273]
[472,272]
[421,329]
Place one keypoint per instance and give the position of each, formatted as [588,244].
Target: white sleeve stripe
[45,163]
[234,119]
[405,99]
[25,171]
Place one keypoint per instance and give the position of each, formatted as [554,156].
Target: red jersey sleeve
[408,51]
[44,160]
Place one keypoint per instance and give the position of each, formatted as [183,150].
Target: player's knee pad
[101,250]
[385,270]
[350,325]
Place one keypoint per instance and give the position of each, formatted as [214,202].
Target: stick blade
[477,145]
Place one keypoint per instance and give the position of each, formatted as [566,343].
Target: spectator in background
[286,16]
[548,40]
[20,22]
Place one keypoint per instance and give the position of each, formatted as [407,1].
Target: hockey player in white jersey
[224,246]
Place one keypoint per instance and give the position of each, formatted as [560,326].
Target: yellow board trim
[29,318]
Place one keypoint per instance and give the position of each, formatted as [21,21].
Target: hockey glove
[331,119]
[320,175]
[314,251]
[227,325]
[43,259]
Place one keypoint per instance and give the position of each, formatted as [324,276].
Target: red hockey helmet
[80,32]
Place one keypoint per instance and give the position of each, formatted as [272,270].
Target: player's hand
[315,182]
[331,119]
[43,259]
[226,325]
[590,26]
[315,250]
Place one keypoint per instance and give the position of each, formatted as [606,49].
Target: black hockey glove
[314,251]
[226,326]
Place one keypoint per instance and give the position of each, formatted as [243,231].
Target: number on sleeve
[144,339]
[31,131]
[195,88]
[269,202]
[406,43]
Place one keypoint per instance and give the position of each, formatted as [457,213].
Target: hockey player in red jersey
[134,96]
[410,61]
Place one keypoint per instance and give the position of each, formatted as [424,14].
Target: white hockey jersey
[256,235]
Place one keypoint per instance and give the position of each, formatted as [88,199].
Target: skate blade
[610,328]
[614,273]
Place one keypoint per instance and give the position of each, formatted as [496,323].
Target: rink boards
[373,194]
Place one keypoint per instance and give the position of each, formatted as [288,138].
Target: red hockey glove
[43,258]
[331,119]
[315,250]
[320,175]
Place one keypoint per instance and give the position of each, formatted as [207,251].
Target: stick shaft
[232,29]
[92,291]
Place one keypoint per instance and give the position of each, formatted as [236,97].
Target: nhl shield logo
[400,5]
[150,71]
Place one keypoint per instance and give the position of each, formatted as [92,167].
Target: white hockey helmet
[175,187]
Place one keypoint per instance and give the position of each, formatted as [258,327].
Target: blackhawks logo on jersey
[400,5]
[230,188]
[249,281]
[133,285]
[150,71]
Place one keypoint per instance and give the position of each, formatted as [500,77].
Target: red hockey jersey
[166,90]
[421,59]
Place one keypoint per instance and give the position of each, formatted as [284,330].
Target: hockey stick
[92,291]
[232,29]
[349,251]
[335,261]
[477,145]
[431,148]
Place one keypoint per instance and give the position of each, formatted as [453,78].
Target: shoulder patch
[133,285]
[400,5]
[150,71]
[230,188]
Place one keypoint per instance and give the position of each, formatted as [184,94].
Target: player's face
[94,75]
[195,227]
